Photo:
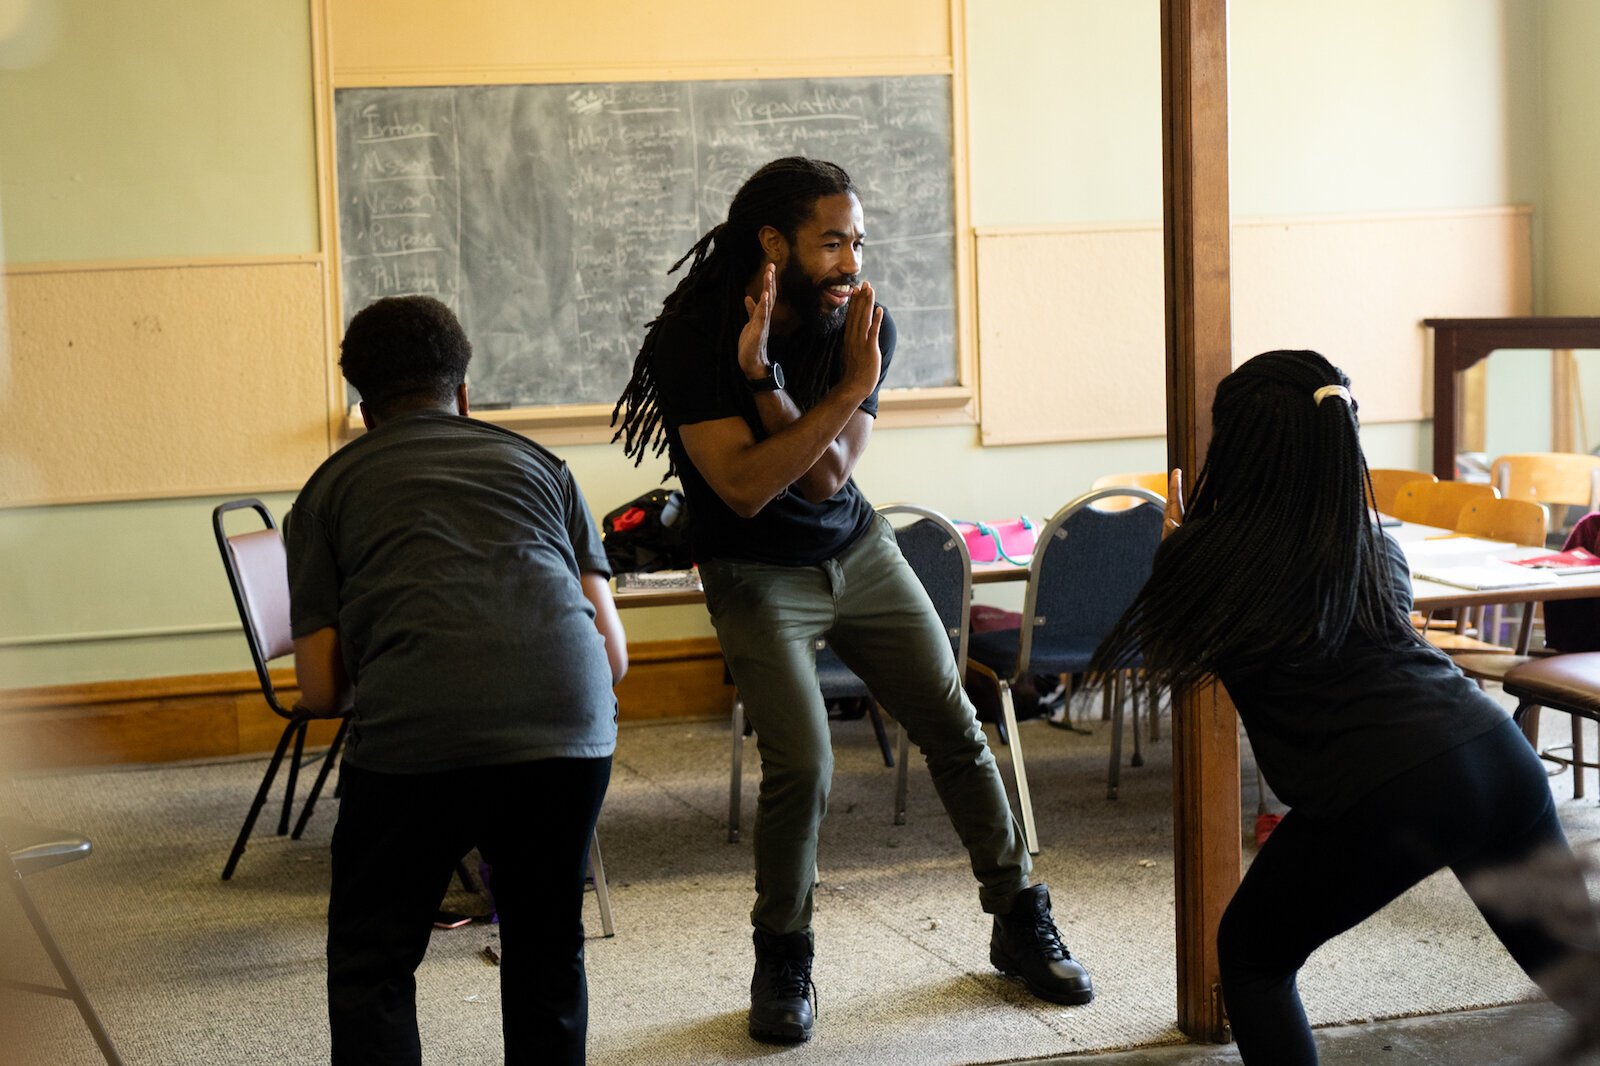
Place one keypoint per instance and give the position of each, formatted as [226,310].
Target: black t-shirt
[447,551]
[697,375]
[1327,732]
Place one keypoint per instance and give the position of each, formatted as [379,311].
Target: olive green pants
[877,618]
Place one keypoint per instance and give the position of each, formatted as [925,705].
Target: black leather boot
[1026,944]
[780,990]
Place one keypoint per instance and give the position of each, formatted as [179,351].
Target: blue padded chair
[32,848]
[1086,570]
[937,554]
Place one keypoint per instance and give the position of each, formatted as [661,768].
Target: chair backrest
[258,574]
[1549,477]
[1438,503]
[1519,521]
[937,554]
[1152,481]
[1387,483]
[1089,565]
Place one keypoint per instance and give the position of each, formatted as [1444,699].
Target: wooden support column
[1194,105]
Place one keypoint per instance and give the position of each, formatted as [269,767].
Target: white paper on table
[1487,575]
[1453,551]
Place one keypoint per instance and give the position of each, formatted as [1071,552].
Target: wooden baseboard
[197,716]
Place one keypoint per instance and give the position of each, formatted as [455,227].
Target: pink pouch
[1011,539]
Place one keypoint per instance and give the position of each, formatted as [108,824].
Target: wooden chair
[1519,521]
[1386,485]
[1549,477]
[1155,481]
[1438,503]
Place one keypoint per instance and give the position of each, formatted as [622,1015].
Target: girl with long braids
[1278,584]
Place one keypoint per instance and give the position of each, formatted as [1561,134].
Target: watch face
[771,383]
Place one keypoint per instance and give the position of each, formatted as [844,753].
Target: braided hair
[1278,559]
[782,195]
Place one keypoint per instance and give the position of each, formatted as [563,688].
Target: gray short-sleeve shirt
[447,551]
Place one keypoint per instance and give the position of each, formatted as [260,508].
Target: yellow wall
[184,129]
[178,128]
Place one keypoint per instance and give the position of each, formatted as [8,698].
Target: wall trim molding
[190,716]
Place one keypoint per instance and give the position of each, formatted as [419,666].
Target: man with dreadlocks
[761,378]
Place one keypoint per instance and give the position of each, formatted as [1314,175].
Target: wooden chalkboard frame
[589,423]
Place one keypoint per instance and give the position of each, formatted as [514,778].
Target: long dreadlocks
[1278,559]
[781,195]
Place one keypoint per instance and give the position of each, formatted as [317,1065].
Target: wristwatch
[771,383]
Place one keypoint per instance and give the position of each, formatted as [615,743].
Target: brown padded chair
[1439,503]
[1387,483]
[1569,683]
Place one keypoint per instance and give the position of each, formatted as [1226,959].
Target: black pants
[395,847]
[1479,807]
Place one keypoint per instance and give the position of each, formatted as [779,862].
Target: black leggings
[1481,805]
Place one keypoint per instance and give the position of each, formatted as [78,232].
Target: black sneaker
[1026,944]
[781,992]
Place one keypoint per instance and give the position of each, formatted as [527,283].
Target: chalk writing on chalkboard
[547,215]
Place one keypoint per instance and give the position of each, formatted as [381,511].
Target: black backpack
[649,532]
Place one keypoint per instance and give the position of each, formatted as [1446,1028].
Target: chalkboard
[547,215]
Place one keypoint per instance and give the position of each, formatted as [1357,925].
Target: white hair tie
[1331,390]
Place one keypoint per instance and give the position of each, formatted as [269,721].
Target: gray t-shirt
[447,551]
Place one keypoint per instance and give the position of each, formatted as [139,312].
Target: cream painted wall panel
[1065,99]
[162,381]
[511,40]
[1070,335]
[152,130]
[1372,105]
[1070,322]
[1571,84]
[1357,106]
[1356,290]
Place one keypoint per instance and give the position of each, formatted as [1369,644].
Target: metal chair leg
[602,894]
[736,776]
[294,776]
[257,803]
[1024,797]
[73,988]
[1114,698]
[900,777]
[1577,757]
[322,776]
[1134,688]
[877,728]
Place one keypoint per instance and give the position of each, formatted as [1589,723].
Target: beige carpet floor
[187,969]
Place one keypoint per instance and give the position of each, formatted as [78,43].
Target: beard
[804,298]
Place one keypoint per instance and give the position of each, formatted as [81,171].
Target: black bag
[649,532]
